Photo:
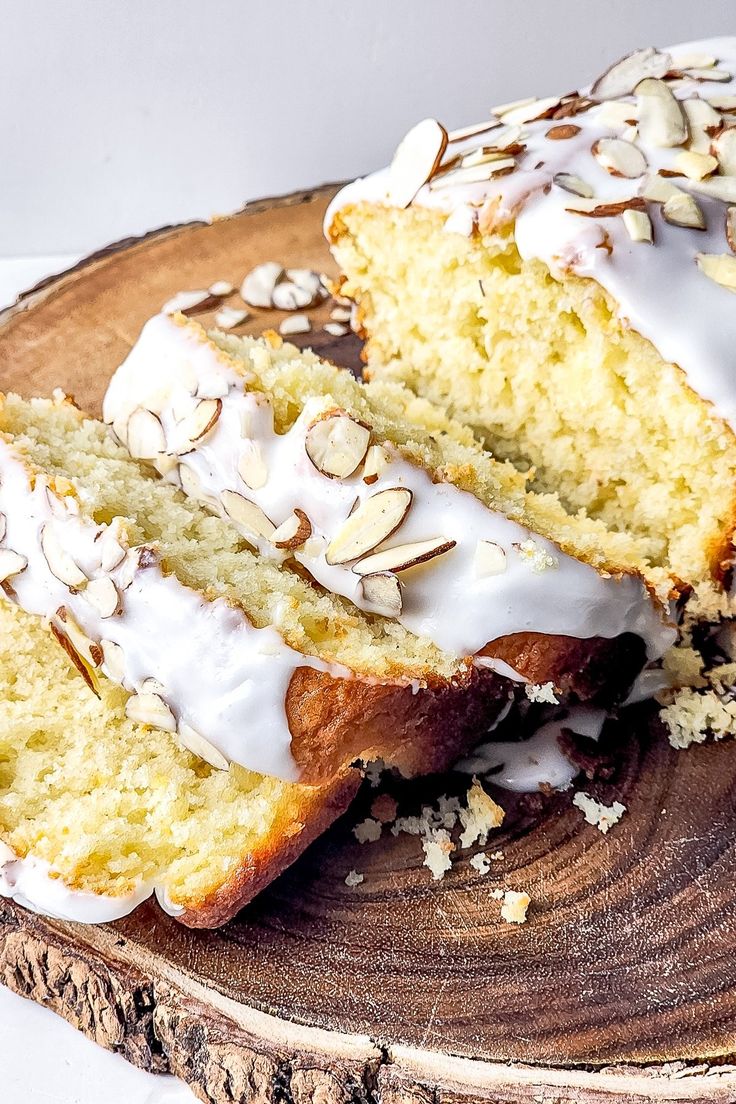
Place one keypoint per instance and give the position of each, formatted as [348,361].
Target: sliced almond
[190,302]
[489,559]
[248,516]
[137,559]
[638,226]
[103,595]
[84,669]
[528,112]
[308,280]
[661,119]
[376,460]
[573,184]
[731,228]
[336,329]
[202,419]
[11,564]
[293,532]
[616,113]
[695,166]
[623,77]
[375,519]
[683,210]
[251,466]
[620,158]
[150,709]
[694,60]
[611,210]
[289,296]
[258,286]
[190,739]
[503,109]
[719,187]
[657,189]
[145,435]
[724,148]
[474,174]
[381,594]
[722,102]
[403,556]
[416,159]
[113,660]
[164,464]
[60,563]
[152,686]
[221,288]
[472,131]
[337,445]
[295,324]
[461,220]
[563,131]
[227,318]
[720,267]
[341,314]
[571,106]
[700,113]
[700,73]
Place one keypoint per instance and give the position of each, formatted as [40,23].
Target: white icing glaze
[221,675]
[444,599]
[659,289]
[524,766]
[31,882]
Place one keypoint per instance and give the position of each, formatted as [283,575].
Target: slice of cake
[561,277]
[98,811]
[239,659]
[382,500]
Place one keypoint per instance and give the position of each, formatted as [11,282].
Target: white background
[117,116]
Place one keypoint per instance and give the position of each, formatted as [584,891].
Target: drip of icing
[524,766]
[658,288]
[30,882]
[444,599]
[221,675]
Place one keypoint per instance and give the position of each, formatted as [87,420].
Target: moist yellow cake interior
[110,803]
[546,374]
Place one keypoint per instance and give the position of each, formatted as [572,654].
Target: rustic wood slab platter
[620,987]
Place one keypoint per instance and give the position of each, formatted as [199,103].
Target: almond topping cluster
[637,98]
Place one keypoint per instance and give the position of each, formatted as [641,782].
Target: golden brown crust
[309,811]
[333,721]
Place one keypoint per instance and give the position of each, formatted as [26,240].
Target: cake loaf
[382,500]
[561,276]
[239,659]
[98,811]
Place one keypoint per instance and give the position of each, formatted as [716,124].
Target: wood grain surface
[620,987]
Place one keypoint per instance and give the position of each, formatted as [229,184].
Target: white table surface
[42,1059]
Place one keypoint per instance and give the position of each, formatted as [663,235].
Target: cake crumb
[543,693]
[603,817]
[480,862]
[384,809]
[515,906]
[373,771]
[368,831]
[538,558]
[496,855]
[437,850]
[480,816]
[354,879]
[497,894]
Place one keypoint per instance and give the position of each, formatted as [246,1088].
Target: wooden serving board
[620,987]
